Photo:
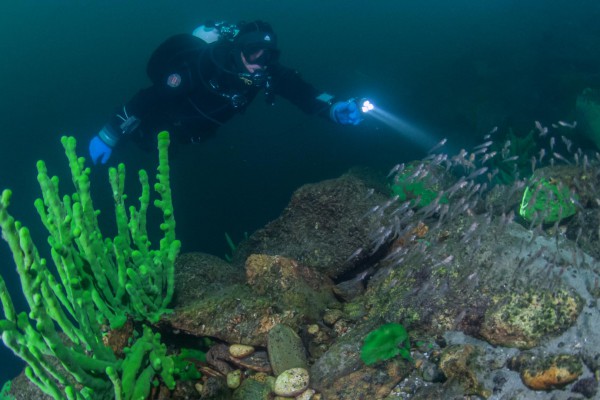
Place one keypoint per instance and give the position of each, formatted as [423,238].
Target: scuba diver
[201,80]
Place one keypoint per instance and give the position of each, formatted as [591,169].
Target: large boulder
[322,226]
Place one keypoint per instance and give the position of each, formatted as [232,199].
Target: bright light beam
[416,135]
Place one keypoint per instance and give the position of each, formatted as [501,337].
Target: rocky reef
[497,290]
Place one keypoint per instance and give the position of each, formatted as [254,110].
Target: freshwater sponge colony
[386,342]
[547,201]
[100,281]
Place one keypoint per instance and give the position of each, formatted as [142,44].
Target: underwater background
[446,69]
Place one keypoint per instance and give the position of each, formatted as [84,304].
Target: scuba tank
[209,34]
[177,47]
[212,31]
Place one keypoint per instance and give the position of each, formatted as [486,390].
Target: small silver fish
[396,168]
[567,143]
[483,145]
[568,125]
[488,156]
[440,144]
[561,158]
[541,129]
[445,261]
[477,172]
[355,254]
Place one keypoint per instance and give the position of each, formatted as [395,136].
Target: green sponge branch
[98,283]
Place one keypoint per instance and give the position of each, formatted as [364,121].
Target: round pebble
[291,382]
[240,350]
[313,329]
[306,395]
[199,387]
[234,379]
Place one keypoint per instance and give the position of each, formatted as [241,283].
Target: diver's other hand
[346,113]
[99,151]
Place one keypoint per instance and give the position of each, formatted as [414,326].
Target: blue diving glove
[99,151]
[346,113]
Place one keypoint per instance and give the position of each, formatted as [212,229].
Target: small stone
[460,364]
[306,395]
[292,382]
[552,373]
[252,389]
[340,327]
[234,379]
[257,361]
[331,316]
[198,387]
[313,329]
[430,372]
[260,377]
[240,350]
[586,386]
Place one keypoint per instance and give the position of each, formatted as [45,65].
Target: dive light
[364,104]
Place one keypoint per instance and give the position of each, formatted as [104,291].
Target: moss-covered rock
[286,350]
[547,372]
[460,364]
[522,319]
[322,226]
[252,389]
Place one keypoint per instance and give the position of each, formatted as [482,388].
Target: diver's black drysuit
[196,89]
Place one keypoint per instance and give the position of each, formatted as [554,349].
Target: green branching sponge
[97,282]
[386,342]
[418,183]
[547,201]
[5,391]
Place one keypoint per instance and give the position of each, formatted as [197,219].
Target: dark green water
[454,68]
